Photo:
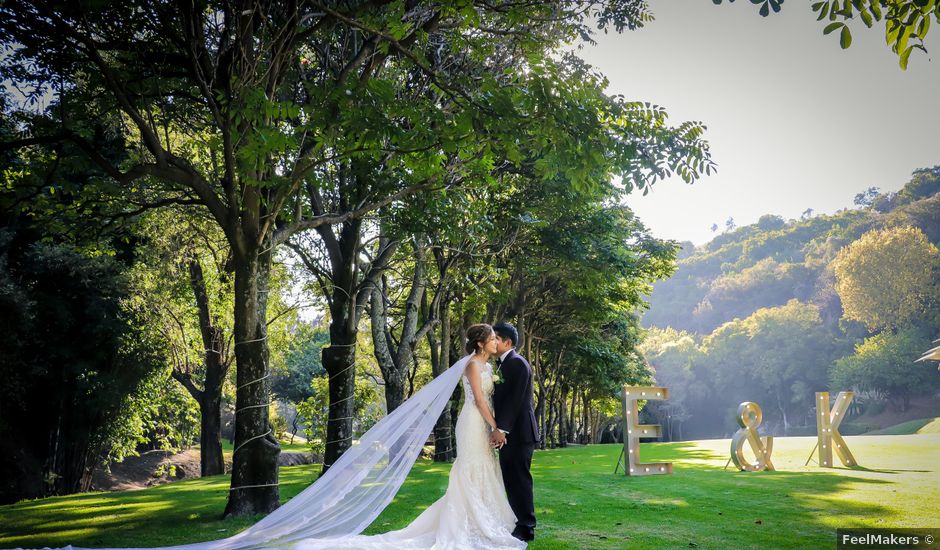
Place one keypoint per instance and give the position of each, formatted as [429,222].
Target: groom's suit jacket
[512,399]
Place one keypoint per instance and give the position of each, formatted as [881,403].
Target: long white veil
[360,484]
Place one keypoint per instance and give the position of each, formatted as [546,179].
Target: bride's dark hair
[477,334]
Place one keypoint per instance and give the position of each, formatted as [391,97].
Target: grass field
[579,502]
[921,426]
[296,447]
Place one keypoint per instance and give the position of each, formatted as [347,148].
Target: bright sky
[794,121]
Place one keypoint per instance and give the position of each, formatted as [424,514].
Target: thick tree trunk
[339,360]
[347,298]
[254,488]
[211,460]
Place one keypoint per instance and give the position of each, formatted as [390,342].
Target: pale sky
[794,121]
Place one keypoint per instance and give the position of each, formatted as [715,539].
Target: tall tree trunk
[347,296]
[549,433]
[554,427]
[586,419]
[783,412]
[339,358]
[211,460]
[563,420]
[396,362]
[393,376]
[443,434]
[572,417]
[254,488]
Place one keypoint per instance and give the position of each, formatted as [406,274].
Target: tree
[867,197]
[884,364]
[183,279]
[887,279]
[771,222]
[672,353]
[789,352]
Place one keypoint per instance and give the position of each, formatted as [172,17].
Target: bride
[473,513]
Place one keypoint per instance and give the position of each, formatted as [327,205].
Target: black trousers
[515,460]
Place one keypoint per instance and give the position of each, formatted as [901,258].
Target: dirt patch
[149,469]
[159,467]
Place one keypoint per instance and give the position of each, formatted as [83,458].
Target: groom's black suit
[512,399]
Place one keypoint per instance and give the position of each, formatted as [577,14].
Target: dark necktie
[499,362]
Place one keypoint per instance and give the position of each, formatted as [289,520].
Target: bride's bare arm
[476,385]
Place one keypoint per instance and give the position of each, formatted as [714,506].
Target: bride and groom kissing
[488,502]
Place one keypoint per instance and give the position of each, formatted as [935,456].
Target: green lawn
[579,502]
[296,447]
[920,426]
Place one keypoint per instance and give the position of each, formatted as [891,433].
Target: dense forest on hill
[775,311]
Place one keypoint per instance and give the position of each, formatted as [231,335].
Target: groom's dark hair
[507,332]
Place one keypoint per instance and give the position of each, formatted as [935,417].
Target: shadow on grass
[175,513]
[578,500]
[699,502]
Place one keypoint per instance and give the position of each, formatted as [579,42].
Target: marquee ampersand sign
[749,418]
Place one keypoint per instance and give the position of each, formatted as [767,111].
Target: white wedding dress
[473,514]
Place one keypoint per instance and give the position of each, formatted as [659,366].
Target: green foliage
[302,363]
[871,265]
[315,410]
[278,423]
[906,22]
[888,279]
[70,356]
[924,183]
[884,365]
[778,357]
[765,284]
[763,265]
[159,414]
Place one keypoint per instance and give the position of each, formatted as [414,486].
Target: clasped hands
[497,439]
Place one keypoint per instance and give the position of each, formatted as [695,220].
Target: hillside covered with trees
[775,311]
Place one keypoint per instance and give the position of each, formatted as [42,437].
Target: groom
[517,432]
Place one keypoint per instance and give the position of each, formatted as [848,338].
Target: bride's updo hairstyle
[477,334]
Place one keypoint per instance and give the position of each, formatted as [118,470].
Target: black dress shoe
[523,534]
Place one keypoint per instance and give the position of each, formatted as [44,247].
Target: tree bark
[563,419]
[254,488]
[395,362]
[211,460]
[572,417]
[443,433]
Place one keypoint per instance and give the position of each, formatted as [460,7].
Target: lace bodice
[486,383]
